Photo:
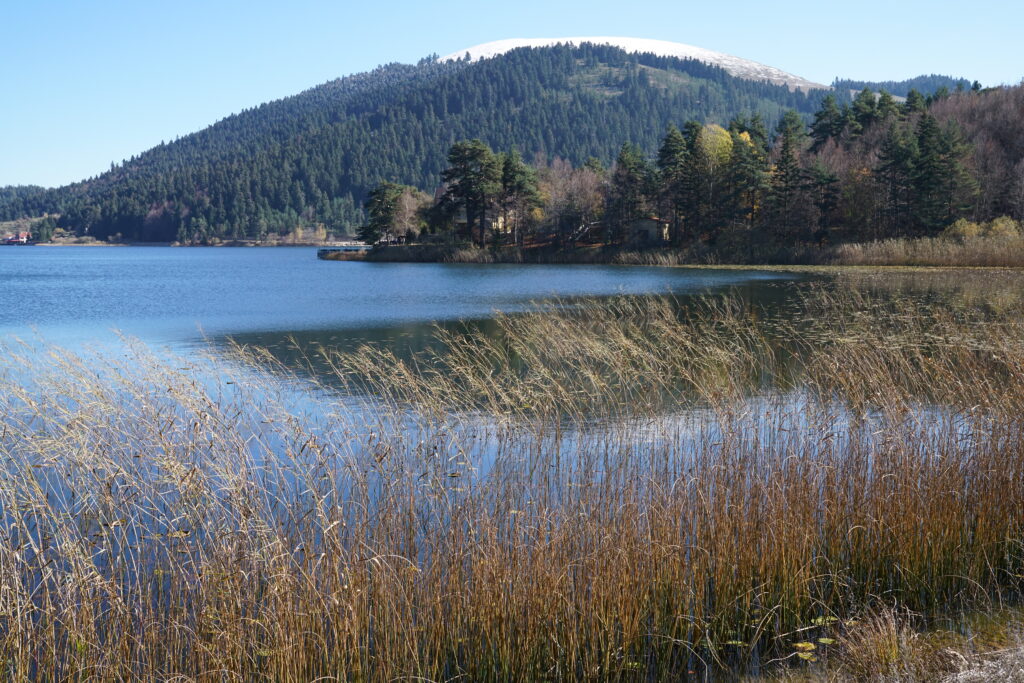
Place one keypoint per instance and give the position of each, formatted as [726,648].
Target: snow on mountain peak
[742,68]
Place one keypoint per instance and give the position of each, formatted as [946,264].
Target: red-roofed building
[17,238]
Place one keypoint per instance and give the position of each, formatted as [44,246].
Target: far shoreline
[98,243]
[920,253]
[605,257]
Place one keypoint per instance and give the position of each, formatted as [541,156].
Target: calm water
[178,297]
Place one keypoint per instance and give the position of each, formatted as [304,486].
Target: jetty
[351,251]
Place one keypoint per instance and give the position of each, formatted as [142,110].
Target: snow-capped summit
[742,68]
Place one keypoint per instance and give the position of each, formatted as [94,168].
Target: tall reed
[607,491]
[934,251]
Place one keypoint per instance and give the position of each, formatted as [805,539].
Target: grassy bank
[616,491]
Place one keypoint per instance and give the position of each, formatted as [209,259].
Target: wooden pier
[344,252]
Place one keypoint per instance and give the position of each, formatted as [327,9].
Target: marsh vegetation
[626,490]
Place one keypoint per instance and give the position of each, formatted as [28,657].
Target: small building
[495,223]
[17,238]
[647,231]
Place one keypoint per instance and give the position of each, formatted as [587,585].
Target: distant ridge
[736,66]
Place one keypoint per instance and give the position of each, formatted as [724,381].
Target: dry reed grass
[655,257]
[1005,665]
[934,251]
[528,506]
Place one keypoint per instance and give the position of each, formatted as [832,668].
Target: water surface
[179,297]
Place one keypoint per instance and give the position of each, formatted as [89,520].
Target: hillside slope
[310,159]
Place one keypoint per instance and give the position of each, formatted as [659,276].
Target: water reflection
[303,351]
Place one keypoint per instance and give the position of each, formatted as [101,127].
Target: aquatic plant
[618,490]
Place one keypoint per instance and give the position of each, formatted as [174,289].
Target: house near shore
[17,238]
[492,222]
[650,231]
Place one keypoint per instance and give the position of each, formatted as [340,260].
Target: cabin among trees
[491,225]
[648,232]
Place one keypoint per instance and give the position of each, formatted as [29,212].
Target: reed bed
[935,251]
[614,491]
[655,257]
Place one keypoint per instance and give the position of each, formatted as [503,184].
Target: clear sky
[84,83]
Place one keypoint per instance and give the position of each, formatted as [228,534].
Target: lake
[679,482]
[181,297]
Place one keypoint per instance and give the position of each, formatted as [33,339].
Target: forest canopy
[869,170]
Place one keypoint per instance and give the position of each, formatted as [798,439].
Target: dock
[343,252]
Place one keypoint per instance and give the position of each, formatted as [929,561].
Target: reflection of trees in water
[996,290]
[309,352]
[820,315]
[303,351]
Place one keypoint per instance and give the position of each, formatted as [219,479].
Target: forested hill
[309,160]
[926,85]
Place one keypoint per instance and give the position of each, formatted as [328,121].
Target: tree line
[871,168]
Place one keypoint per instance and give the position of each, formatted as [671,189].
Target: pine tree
[754,126]
[473,180]
[823,186]
[928,179]
[943,187]
[887,107]
[381,206]
[961,187]
[673,173]
[747,181]
[828,123]
[864,109]
[518,194]
[895,172]
[786,182]
[915,102]
[628,195]
[793,126]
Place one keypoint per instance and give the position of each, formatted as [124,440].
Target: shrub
[962,230]
[1003,227]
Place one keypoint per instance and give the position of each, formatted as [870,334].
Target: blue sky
[84,83]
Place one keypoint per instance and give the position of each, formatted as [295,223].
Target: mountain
[735,66]
[309,160]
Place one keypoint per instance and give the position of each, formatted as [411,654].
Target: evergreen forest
[589,140]
[870,170]
[310,160]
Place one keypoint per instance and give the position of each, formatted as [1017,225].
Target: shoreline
[607,256]
[619,256]
[177,244]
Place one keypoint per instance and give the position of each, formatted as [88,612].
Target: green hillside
[309,160]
